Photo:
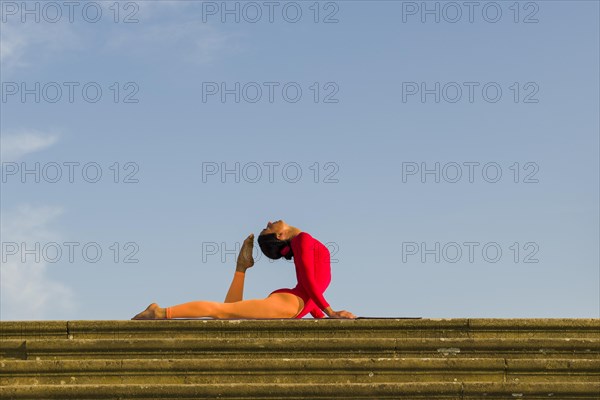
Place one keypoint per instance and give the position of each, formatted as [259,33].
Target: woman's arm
[304,257]
[317,313]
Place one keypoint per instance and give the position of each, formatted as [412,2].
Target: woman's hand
[341,314]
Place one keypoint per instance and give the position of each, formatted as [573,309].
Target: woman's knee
[223,310]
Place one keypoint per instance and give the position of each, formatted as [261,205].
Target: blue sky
[358,134]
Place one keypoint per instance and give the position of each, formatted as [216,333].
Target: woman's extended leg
[277,305]
[244,261]
[236,289]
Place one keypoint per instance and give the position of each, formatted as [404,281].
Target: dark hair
[272,247]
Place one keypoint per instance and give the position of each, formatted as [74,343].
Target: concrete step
[299,347]
[429,391]
[322,328]
[296,370]
[396,358]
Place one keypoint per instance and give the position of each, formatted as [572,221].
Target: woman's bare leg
[236,289]
[244,261]
[277,305]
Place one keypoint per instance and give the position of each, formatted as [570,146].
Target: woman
[313,270]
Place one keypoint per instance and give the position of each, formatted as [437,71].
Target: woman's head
[274,240]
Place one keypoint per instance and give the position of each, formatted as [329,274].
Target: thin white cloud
[162,25]
[11,48]
[27,292]
[23,45]
[14,146]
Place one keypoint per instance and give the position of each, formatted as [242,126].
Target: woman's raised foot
[245,259]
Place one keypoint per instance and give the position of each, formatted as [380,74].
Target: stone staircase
[365,358]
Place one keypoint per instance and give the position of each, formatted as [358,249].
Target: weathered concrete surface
[283,358]
[428,390]
[388,327]
[300,347]
[299,370]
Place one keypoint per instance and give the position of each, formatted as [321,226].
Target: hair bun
[274,248]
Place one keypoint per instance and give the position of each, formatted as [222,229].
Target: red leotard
[313,271]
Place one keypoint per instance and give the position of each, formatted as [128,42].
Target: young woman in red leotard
[278,239]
